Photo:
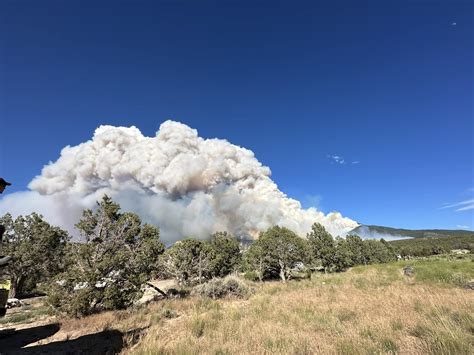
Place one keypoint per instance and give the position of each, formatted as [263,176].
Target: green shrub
[168,313]
[389,346]
[229,286]
[165,313]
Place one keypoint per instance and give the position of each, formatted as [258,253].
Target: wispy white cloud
[337,159]
[461,226]
[460,206]
[468,207]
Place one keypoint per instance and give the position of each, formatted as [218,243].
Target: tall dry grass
[369,310]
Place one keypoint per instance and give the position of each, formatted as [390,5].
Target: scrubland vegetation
[118,254]
[281,294]
[371,309]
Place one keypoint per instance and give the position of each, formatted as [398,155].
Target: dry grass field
[366,310]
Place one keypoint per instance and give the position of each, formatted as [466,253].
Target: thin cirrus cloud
[338,159]
[461,206]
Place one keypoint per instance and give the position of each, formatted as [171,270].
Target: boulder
[150,294]
[175,293]
[13,302]
[408,270]
[469,285]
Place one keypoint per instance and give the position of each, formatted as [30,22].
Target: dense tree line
[118,254]
[279,252]
[422,247]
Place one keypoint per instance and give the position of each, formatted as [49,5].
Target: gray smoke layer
[366,233]
[187,185]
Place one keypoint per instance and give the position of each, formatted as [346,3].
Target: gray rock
[408,270]
[149,295]
[13,302]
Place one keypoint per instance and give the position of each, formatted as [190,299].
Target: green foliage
[377,252]
[189,261]
[165,313]
[342,253]
[357,250]
[445,271]
[192,261]
[420,233]
[344,257]
[37,248]
[226,256]
[389,346]
[322,246]
[438,270]
[276,253]
[109,268]
[419,247]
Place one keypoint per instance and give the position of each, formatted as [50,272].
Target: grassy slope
[367,310]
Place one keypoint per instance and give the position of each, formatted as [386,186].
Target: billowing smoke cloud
[187,185]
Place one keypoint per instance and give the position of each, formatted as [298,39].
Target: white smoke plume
[187,185]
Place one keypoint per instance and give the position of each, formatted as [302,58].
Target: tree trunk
[16,286]
[282,271]
[260,270]
[13,290]
[200,267]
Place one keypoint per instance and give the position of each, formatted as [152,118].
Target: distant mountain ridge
[371,230]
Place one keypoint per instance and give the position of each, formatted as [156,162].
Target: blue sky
[387,84]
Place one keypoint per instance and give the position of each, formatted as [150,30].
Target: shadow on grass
[11,339]
[105,342]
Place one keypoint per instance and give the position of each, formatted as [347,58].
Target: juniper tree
[322,246]
[226,256]
[117,255]
[37,250]
[276,252]
[188,261]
